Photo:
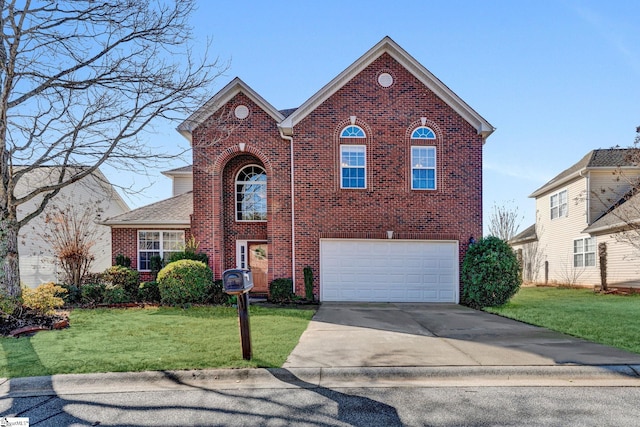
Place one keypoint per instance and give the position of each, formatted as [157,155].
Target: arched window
[352,131]
[251,194]
[423,132]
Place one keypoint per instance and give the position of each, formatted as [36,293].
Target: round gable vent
[241,112]
[385,79]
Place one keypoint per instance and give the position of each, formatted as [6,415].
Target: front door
[253,255]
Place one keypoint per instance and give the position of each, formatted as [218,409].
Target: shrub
[184,282]
[73,294]
[216,294]
[177,256]
[115,295]
[490,274]
[308,283]
[149,292]
[93,293]
[125,278]
[44,298]
[8,305]
[123,261]
[155,263]
[281,290]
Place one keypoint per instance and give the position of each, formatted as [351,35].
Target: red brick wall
[322,209]
[388,115]
[125,241]
[217,159]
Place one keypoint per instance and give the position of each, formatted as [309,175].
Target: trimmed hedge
[490,274]
[184,282]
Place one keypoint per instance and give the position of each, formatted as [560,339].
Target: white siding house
[37,259]
[576,211]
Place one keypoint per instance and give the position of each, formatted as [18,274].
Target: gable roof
[181,171]
[527,235]
[386,45]
[173,212]
[233,88]
[624,212]
[288,118]
[610,158]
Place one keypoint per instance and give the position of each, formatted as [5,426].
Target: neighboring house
[38,263]
[586,205]
[375,182]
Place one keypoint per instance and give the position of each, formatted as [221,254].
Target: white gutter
[293,211]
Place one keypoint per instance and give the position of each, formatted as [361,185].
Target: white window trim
[559,205]
[353,167]
[161,250]
[364,134]
[235,194]
[584,252]
[434,168]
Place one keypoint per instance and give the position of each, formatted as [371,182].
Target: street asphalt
[381,346]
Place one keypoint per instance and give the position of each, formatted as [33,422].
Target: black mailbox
[237,280]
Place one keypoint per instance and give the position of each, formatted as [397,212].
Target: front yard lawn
[159,338]
[607,319]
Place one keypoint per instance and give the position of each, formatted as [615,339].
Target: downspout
[293,211]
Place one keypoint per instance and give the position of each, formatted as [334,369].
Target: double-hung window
[353,166]
[584,252]
[158,243]
[423,168]
[558,204]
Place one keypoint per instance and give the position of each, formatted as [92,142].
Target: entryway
[254,256]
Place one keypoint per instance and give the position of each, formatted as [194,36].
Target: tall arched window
[423,159]
[353,158]
[251,194]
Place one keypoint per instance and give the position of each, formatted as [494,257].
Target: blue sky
[556,78]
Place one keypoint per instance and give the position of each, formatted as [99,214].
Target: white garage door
[388,270]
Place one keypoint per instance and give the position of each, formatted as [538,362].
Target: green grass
[118,340]
[607,319]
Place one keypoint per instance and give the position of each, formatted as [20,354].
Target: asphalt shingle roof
[176,210]
[610,157]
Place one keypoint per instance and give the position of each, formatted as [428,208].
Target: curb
[368,377]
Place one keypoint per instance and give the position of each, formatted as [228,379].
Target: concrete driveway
[421,335]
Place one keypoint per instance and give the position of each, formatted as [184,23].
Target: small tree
[504,221]
[71,232]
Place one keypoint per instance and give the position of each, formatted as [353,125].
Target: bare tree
[80,82]
[72,233]
[504,221]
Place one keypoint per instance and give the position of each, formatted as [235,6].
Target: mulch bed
[28,322]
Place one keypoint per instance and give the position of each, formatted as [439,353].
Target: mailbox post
[239,282]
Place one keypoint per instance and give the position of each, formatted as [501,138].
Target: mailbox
[237,281]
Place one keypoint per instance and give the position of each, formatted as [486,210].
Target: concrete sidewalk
[386,345]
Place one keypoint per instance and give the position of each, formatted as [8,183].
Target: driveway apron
[412,335]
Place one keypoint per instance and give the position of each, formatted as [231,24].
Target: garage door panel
[388,270]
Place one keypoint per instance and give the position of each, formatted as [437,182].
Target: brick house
[375,182]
